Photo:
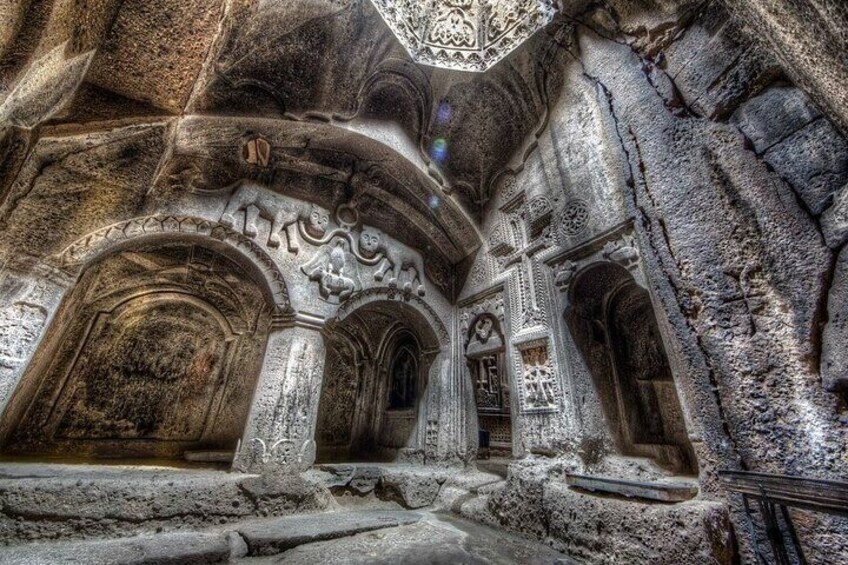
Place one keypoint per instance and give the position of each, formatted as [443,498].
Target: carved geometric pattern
[469,35]
[574,218]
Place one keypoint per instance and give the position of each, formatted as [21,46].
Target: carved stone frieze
[87,248]
[618,246]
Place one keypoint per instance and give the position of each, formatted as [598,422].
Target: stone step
[269,537]
[677,491]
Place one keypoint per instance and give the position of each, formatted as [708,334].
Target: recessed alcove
[154,353]
[612,321]
[375,390]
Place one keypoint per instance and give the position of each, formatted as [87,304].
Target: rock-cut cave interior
[482,282]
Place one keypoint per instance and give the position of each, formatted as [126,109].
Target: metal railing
[771,496]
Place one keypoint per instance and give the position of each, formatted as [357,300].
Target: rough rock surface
[264,229]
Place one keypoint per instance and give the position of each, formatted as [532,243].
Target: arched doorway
[486,361]
[374,397]
[153,354]
[614,326]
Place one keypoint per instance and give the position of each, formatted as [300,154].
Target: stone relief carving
[492,305]
[573,219]
[539,211]
[563,273]
[283,452]
[257,202]
[622,252]
[350,243]
[335,270]
[500,243]
[538,389]
[620,248]
[469,35]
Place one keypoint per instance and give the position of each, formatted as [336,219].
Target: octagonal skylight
[468,35]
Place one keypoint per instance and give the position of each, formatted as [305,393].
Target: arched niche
[377,388]
[485,358]
[612,321]
[155,352]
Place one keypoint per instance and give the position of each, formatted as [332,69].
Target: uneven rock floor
[98,515]
[345,537]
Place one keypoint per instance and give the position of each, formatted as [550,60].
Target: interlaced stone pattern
[467,35]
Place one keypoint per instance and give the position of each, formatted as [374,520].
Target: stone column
[280,432]
[29,297]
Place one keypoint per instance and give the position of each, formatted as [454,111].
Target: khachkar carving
[521,236]
[469,35]
[538,388]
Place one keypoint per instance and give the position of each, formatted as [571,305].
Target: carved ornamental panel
[468,35]
[538,386]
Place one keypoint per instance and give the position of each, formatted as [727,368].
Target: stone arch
[156,351]
[613,324]
[357,418]
[435,330]
[111,239]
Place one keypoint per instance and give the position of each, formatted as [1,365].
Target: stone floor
[345,537]
[91,514]
[435,539]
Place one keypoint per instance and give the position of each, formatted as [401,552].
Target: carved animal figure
[400,259]
[257,202]
[334,268]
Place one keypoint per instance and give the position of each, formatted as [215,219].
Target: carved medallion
[574,218]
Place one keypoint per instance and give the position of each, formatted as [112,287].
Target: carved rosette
[468,35]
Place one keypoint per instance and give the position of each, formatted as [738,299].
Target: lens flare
[443,116]
[439,151]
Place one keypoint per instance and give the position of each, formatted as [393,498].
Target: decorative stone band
[88,248]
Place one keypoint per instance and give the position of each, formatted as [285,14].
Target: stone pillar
[29,297]
[280,432]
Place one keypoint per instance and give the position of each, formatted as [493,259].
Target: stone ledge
[663,492]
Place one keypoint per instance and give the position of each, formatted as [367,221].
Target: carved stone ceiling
[467,35]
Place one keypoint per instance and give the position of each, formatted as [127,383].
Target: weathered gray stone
[815,162]
[262,228]
[774,115]
[275,536]
[165,549]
